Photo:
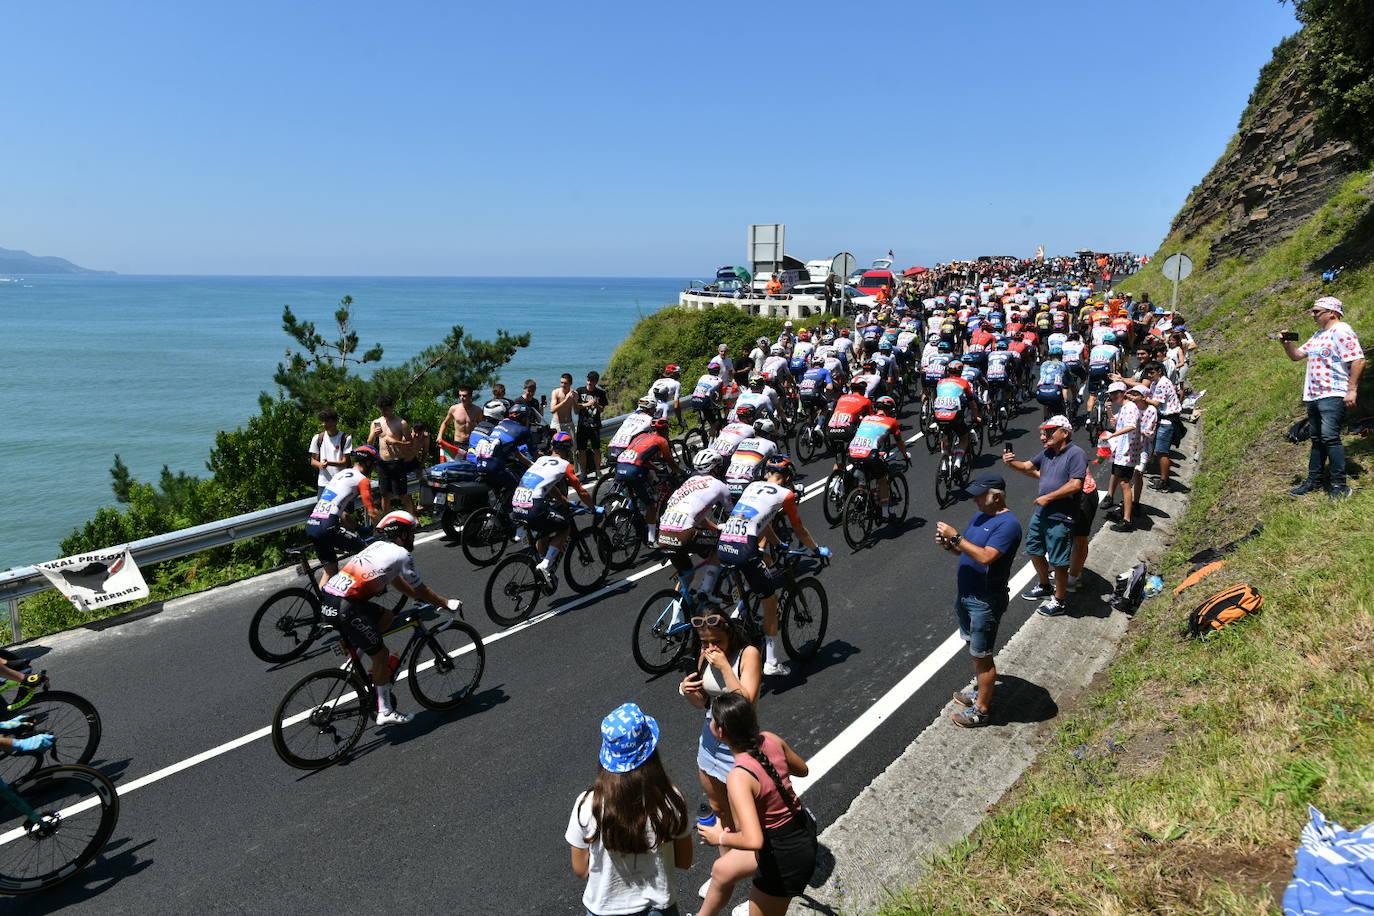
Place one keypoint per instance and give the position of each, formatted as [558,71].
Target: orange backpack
[1226,606]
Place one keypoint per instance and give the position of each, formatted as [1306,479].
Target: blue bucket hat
[628,737]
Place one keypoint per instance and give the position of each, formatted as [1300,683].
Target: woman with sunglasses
[727,663]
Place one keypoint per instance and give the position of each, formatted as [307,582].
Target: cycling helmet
[1109,338]
[1056,350]
[745,413]
[944,346]
[658,425]
[706,462]
[858,385]
[764,426]
[817,359]
[955,365]
[646,403]
[671,369]
[756,383]
[519,413]
[780,464]
[396,524]
[775,350]
[803,334]
[366,454]
[561,442]
[885,346]
[870,364]
[713,367]
[933,337]
[762,341]
[1001,343]
[494,410]
[844,332]
[886,404]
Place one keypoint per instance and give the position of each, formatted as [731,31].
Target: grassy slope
[1181,783]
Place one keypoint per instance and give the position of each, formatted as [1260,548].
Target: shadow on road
[1018,700]
[427,721]
[835,652]
[115,863]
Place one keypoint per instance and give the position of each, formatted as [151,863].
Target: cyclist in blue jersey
[506,450]
[1051,388]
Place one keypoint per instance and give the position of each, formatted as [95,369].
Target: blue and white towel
[1335,870]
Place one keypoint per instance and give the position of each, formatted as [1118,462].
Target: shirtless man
[391,436]
[464,416]
[561,404]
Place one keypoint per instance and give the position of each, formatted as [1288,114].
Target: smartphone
[1290,336]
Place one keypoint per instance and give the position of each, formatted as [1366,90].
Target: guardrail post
[11,606]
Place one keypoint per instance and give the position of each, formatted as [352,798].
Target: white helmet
[706,461]
[646,403]
[494,409]
[764,426]
[775,350]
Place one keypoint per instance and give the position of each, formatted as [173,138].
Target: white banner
[98,579]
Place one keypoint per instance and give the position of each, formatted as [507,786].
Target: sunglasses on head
[709,620]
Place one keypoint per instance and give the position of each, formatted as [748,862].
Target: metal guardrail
[23,581]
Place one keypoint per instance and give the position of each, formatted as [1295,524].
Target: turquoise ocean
[152,367]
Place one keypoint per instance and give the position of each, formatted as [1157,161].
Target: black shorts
[588,437]
[544,518]
[331,539]
[1123,471]
[788,857]
[636,482]
[391,478]
[1083,518]
[875,466]
[1097,383]
[706,407]
[360,622]
[702,544]
[957,426]
[748,559]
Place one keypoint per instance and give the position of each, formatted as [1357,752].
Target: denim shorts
[978,621]
[1164,436]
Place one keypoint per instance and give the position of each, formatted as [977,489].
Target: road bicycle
[70,718]
[625,524]
[488,531]
[812,441]
[1095,421]
[289,621]
[516,585]
[999,412]
[663,634]
[863,508]
[954,469]
[53,822]
[322,716]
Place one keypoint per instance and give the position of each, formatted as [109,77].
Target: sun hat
[628,737]
[1057,421]
[1114,387]
[985,483]
[1329,304]
[1141,389]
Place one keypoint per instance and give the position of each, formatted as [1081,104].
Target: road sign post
[1177,267]
[842,265]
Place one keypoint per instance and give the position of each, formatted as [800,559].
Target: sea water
[150,368]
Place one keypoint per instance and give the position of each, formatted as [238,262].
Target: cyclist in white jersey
[667,393]
[327,527]
[760,396]
[734,432]
[347,601]
[774,366]
[540,502]
[687,528]
[747,463]
[706,396]
[632,426]
[744,539]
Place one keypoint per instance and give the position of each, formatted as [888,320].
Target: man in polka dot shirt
[1334,363]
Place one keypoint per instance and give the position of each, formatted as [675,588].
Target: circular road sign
[1177,266]
[842,265]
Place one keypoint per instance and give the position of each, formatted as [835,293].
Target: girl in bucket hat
[630,829]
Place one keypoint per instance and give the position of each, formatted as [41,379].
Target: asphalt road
[466,812]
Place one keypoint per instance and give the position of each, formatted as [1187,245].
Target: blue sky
[631,139]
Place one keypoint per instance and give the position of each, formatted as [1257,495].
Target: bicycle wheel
[832,504]
[485,537]
[662,633]
[285,625]
[944,483]
[321,718]
[932,439]
[447,666]
[901,497]
[693,441]
[805,613]
[587,560]
[513,590]
[625,531]
[72,721]
[858,518]
[78,808]
[810,443]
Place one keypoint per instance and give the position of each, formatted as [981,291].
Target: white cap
[1114,387]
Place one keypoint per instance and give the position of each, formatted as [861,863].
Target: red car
[871,280]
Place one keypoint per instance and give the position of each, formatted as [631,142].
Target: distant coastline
[13,261]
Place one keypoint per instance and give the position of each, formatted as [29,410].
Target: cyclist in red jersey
[878,435]
[637,469]
[849,410]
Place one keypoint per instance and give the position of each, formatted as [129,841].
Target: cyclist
[506,449]
[348,603]
[871,378]
[953,404]
[844,345]
[816,389]
[746,465]
[1075,370]
[687,527]
[878,435]
[1052,387]
[1001,372]
[849,410]
[540,502]
[1104,361]
[632,426]
[974,376]
[638,468]
[774,369]
[734,432]
[29,745]
[744,539]
[761,397]
[706,397]
[667,393]
[327,527]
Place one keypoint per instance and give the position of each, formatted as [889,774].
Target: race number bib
[735,530]
[676,520]
[862,446]
[948,403]
[523,498]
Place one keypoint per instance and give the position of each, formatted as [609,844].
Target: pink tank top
[773,810]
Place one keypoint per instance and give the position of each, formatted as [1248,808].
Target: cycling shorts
[748,559]
[706,407]
[875,466]
[360,622]
[636,482]
[331,539]
[1097,385]
[957,425]
[546,517]
[696,543]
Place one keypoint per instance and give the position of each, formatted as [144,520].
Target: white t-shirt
[330,448]
[619,883]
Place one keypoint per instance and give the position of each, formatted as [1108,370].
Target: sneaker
[392,718]
[704,889]
[1113,514]
[1037,592]
[1302,489]
[741,909]
[1338,494]
[966,697]
[1123,526]
[1110,504]
[1051,608]
[1074,585]
[780,669]
[1161,486]
[973,717]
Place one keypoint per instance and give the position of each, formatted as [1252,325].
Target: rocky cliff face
[1275,173]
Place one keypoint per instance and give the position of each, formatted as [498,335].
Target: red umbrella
[913,271]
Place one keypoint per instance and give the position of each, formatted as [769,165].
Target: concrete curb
[940,788]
